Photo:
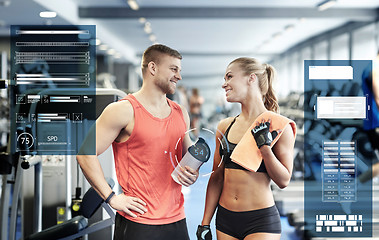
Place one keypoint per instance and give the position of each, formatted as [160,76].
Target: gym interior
[44,120]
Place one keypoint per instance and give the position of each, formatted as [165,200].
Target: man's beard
[165,87]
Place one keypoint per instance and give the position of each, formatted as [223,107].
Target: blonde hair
[266,74]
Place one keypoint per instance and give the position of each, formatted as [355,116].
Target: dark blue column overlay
[338,153]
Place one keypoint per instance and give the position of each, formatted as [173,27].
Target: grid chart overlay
[53,88]
[338,171]
[339,223]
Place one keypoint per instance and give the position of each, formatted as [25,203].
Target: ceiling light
[47,14]
[147,28]
[142,20]
[103,47]
[133,5]
[152,38]
[326,4]
[111,51]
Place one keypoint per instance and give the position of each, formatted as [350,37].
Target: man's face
[168,74]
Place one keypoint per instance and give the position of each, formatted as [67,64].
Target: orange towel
[246,153]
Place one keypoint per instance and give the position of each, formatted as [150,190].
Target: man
[146,131]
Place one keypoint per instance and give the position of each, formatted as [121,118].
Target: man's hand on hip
[128,204]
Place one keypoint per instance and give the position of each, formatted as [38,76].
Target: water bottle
[196,155]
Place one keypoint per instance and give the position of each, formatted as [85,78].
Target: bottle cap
[200,150]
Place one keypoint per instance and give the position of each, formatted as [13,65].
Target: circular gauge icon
[25,141]
[199,150]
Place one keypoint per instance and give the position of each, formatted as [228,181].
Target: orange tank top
[145,161]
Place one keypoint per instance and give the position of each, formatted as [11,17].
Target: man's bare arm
[111,122]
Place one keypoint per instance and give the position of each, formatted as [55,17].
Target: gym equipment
[52,176]
[3,84]
[78,226]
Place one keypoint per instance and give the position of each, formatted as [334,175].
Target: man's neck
[152,97]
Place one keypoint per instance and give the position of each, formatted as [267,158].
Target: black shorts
[241,224]
[128,230]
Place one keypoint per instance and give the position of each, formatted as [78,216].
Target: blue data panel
[338,199]
[53,88]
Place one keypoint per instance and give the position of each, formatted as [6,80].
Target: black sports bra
[227,148]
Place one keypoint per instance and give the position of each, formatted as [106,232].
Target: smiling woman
[261,146]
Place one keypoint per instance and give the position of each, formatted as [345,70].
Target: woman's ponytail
[270,100]
[266,75]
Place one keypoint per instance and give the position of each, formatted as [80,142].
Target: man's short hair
[152,54]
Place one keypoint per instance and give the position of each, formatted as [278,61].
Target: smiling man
[146,131]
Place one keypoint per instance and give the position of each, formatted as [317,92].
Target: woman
[246,207]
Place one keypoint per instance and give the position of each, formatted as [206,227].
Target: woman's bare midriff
[245,191]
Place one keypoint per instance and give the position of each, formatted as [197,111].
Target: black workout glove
[262,134]
[204,232]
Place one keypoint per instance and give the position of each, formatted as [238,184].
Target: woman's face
[236,83]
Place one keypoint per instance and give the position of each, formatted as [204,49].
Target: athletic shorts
[241,224]
[128,230]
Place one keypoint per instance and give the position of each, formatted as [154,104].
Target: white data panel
[341,107]
[330,72]
[339,223]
